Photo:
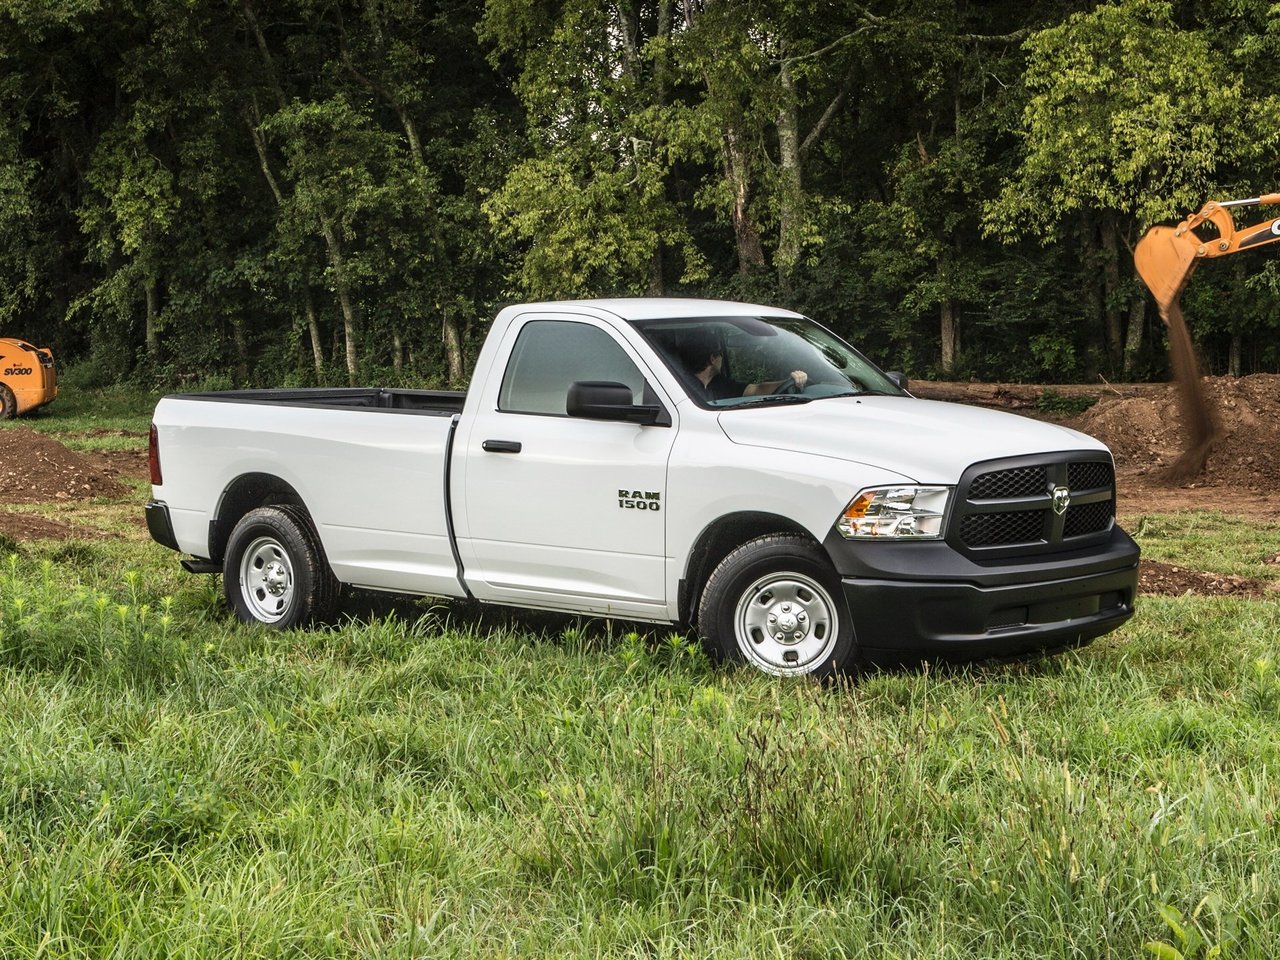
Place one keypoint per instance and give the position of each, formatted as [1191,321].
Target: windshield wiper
[775,398]
[857,393]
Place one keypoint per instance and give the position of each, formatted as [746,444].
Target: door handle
[501,446]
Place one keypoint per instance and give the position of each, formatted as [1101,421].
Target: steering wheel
[788,385]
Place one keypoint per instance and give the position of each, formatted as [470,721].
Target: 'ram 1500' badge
[639,499]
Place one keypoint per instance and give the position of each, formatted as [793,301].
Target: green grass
[102,418]
[1211,541]
[424,781]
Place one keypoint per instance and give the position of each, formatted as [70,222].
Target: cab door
[557,511]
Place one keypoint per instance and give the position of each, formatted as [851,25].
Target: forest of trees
[271,192]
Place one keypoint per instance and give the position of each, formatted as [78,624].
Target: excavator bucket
[1164,259]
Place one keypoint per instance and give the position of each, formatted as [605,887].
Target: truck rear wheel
[776,604]
[8,403]
[275,571]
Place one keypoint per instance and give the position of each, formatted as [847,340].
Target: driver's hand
[800,377]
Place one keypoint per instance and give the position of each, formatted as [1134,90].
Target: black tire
[275,571]
[776,603]
[8,403]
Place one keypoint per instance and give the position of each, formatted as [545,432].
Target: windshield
[734,361]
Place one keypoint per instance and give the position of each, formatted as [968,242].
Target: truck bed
[374,486]
[442,403]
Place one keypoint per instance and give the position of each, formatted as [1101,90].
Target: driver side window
[549,355]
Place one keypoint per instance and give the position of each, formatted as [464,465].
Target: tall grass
[432,782]
[429,783]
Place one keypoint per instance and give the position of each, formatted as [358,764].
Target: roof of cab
[659,308]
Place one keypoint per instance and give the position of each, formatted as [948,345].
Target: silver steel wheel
[786,623]
[266,579]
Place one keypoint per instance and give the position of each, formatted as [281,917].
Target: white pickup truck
[733,467]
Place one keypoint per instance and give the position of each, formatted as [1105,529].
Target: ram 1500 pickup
[733,467]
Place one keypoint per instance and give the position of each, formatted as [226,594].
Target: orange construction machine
[1165,258]
[28,378]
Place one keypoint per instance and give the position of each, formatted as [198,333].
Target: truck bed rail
[442,403]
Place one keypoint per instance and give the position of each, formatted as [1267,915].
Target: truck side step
[195,565]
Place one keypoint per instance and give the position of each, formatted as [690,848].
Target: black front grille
[1005,484]
[1090,475]
[1002,529]
[1087,518]
[1033,504]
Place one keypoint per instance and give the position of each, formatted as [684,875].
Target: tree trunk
[1091,297]
[242,352]
[746,235]
[308,305]
[313,328]
[344,298]
[790,221]
[950,336]
[397,352]
[1111,291]
[454,371]
[452,350]
[1233,354]
[657,284]
[662,57]
[1137,329]
[326,227]
[153,308]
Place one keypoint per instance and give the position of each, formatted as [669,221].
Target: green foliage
[304,193]
[43,628]
[1192,944]
[1129,112]
[1051,401]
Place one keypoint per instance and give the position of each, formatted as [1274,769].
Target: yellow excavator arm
[1166,256]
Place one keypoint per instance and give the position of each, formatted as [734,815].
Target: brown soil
[1197,422]
[38,469]
[1167,580]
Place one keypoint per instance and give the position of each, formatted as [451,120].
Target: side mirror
[899,380]
[608,400]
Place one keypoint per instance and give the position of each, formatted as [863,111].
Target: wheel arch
[247,492]
[720,538]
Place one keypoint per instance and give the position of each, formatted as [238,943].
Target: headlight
[896,513]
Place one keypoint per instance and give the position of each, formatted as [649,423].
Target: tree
[772,81]
[592,203]
[1131,119]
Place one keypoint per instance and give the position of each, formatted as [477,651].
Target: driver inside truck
[702,355]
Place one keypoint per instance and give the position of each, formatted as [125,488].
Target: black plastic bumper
[159,524]
[909,603]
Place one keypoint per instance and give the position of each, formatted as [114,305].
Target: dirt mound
[1147,435]
[38,469]
[1168,580]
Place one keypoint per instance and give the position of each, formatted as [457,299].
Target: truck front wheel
[8,403]
[776,604]
[275,571]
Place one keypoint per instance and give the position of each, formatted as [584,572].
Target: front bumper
[934,603]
